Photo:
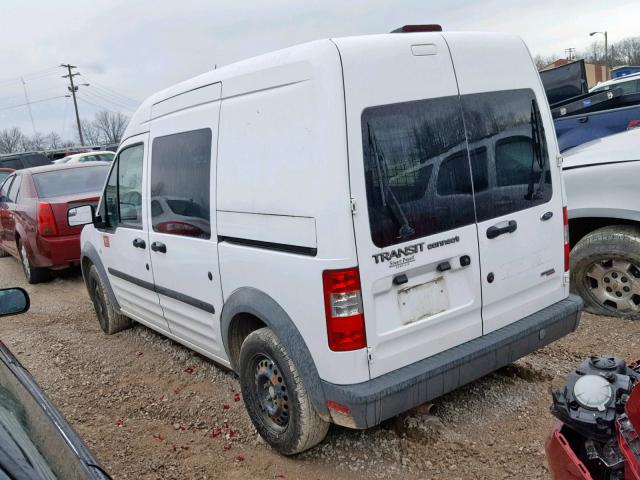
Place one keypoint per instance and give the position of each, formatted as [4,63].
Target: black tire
[109,319]
[33,274]
[605,271]
[292,425]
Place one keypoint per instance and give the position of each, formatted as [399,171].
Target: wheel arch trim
[248,300]
[90,253]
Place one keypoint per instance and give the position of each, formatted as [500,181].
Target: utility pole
[570,53]
[73,89]
[26,99]
[606,49]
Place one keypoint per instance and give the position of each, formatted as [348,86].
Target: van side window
[508,125]
[180,184]
[123,193]
[130,187]
[405,145]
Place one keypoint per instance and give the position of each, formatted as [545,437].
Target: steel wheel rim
[271,392]
[615,284]
[25,261]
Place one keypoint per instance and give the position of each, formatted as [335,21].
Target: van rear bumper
[366,404]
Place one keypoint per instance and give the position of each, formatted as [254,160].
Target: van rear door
[410,180]
[518,190]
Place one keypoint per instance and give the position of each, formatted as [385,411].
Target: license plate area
[423,300]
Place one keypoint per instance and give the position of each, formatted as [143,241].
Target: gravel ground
[149,408]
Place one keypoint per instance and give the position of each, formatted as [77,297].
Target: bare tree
[11,140]
[36,142]
[541,61]
[90,132]
[111,125]
[53,141]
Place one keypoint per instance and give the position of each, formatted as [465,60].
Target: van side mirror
[78,216]
[13,301]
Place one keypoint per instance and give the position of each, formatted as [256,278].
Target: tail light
[565,220]
[633,124]
[343,308]
[46,221]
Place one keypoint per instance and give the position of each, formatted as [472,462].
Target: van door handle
[493,232]
[139,243]
[159,247]
[546,216]
[583,119]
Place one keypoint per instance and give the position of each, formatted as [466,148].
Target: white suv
[355,226]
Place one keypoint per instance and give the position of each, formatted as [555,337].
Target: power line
[111,91]
[31,103]
[81,97]
[37,74]
[99,97]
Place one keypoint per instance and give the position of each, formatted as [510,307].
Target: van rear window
[69,181]
[405,145]
[439,164]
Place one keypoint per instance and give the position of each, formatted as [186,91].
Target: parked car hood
[621,147]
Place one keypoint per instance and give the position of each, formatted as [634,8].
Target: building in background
[596,73]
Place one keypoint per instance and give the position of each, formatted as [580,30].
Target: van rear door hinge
[560,159]
[353,206]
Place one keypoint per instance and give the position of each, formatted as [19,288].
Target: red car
[33,215]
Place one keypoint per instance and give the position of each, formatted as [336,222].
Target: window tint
[110,197]
[3,176]
[508,126]
[35,160]
[130,187]
[11,163]
[180,183]
[405,145]
[4,190]
[15,189]
[56,183]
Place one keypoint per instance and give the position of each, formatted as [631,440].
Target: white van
[355,226]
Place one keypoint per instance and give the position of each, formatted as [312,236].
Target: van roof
[269,70]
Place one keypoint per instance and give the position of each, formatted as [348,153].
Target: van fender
[90,252]
[248,300]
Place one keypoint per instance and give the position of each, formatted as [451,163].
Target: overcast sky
[129,49]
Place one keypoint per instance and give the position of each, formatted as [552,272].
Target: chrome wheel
[25,261]
[615,284]
[271,392]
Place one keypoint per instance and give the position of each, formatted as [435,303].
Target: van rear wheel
[605,271]
[275,396]
[110,321]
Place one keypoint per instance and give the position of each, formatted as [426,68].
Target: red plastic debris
[236,397]
[232,433]
[120,422]
[226,406]
[240,458]
[190,369]
[158,436]
[280,476]
[227,446]
[214,433]
[139,354]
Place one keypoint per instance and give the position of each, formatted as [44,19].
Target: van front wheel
[110,321]
[275,396]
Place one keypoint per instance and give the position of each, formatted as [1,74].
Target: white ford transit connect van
[355,226]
